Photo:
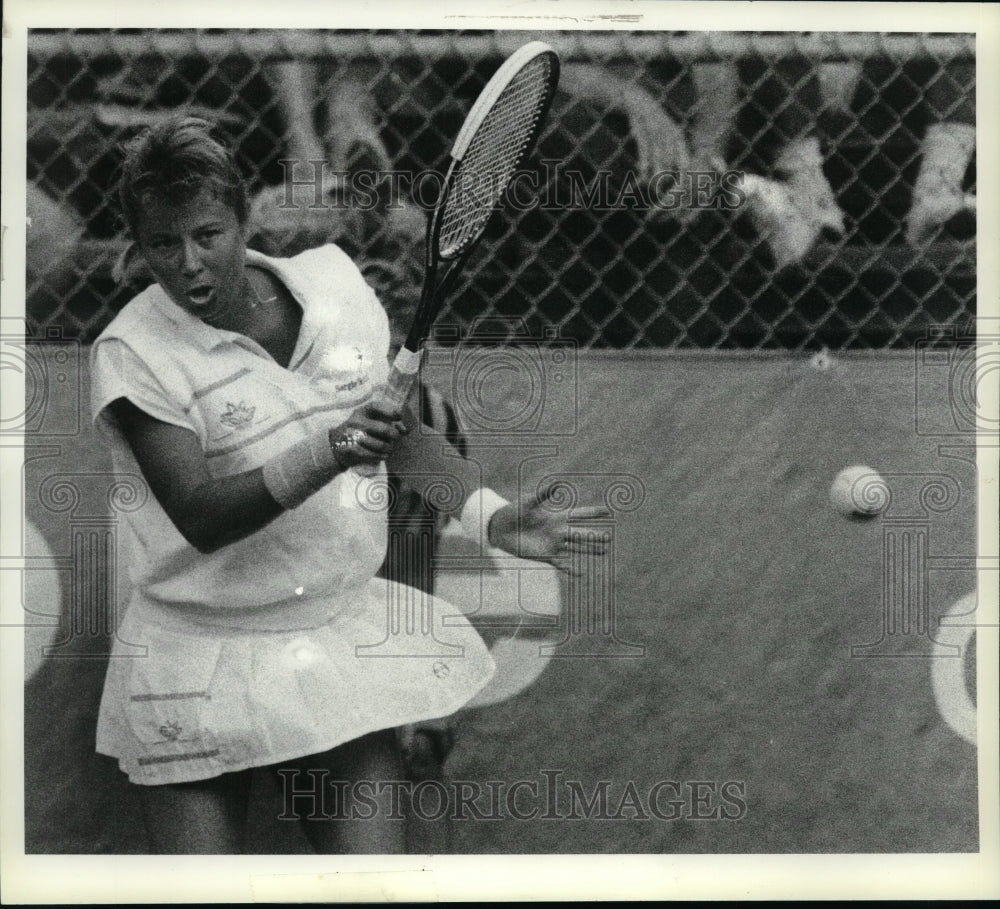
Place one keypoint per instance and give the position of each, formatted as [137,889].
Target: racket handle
[395,392]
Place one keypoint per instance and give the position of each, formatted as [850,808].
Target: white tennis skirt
[222,690]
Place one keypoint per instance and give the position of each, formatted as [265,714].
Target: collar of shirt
[209,337]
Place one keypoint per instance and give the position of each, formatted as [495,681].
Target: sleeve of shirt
[117,371]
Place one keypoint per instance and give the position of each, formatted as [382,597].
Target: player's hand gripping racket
[497,136]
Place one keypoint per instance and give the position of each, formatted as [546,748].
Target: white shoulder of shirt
[328,268]
[320,258]
[139,316]
[324,267]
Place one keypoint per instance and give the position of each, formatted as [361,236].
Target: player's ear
[130,268]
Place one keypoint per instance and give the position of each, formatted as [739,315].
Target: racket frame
[406,365]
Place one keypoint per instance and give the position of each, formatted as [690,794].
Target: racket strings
[507,132]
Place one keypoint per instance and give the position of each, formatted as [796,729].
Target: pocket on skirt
[169,697]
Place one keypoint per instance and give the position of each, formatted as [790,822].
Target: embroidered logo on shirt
[237,415]
[171,731]
[343,358]
[344,362]
[354,383]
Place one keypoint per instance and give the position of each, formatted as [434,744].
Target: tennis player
[241,387]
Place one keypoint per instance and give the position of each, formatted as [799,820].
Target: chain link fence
[699,190]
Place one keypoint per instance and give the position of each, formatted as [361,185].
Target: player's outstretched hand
[368,435]
[533,529]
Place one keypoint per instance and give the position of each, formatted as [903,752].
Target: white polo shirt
[244,408]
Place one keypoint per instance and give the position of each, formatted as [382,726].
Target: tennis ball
[859,490]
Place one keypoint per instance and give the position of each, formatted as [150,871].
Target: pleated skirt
[192,694]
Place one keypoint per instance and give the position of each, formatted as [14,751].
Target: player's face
[197,251]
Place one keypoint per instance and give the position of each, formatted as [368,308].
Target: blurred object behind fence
[690,190]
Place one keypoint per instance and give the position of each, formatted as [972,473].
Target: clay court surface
[744,589]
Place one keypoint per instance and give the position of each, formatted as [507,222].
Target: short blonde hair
[174,161]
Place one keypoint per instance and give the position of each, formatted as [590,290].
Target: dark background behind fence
[631,106]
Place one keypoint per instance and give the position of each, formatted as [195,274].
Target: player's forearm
[225,510]
[221,511]
[424,457]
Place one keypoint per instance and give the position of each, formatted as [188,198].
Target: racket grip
[398,386]
[395,392]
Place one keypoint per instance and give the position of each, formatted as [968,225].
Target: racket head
[498,134]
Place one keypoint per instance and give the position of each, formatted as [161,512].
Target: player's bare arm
[530,528]
[211,512]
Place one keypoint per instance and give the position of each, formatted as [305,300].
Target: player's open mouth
[201,296]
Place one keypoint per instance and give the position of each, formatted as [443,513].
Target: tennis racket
[497,136]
